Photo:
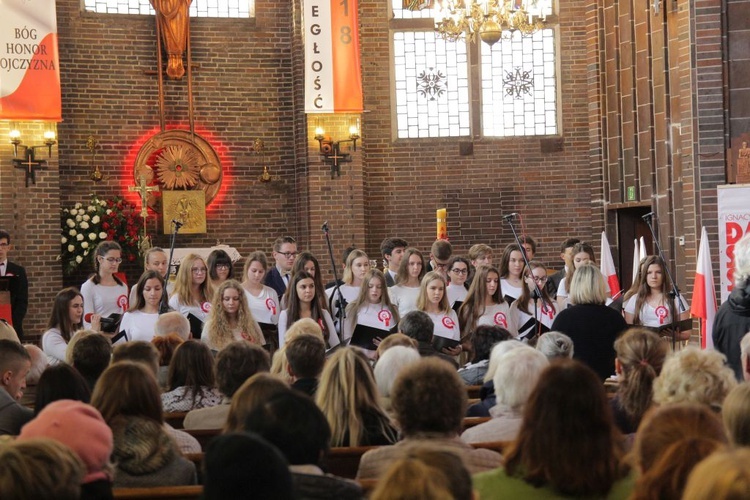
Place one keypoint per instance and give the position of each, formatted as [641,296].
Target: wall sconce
[28,162]
[260,149]
[92,144]
[330,150]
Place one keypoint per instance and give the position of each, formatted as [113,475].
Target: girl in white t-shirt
[155,259]
[433,301]
[372,307]
[458,272]
[66,319]
[484,305]
[230,318]
[404,293]
[356,267]
[511,270]
[262,299]
[307,262]
[583,253]
[305,303]
[651,305]
[104,293]
[530,306]
[192,292]
[139,323]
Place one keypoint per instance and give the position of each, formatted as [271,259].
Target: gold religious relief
[177,167]
[172,21]
[186,207]
[743,164]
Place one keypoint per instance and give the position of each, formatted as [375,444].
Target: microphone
[178,224]
[324,227]
[648,216]
[510,216]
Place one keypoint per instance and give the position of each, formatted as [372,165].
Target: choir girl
[357,265]
[262,299]
[529,305]
[139,323]
[651,305]
[230,318]
[372,307]
[583,253]
[104,293]
[404,293]
[66,319]
[433,301]
[304,303]
[511,269]
[220,267]
[458,271]
[307,262]
[155,259]
[192,290]
[485,305]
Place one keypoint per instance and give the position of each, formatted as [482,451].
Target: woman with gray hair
[733,318]
[388,367]
[555,345]
[592,326]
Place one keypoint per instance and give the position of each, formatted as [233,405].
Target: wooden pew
[472,391]
[204,436]
[175,419]
[469,422]
[158,493]
[344,461]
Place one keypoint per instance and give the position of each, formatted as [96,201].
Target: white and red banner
[333,76]
[704,293]
[734,223]
[29,62]
[608,268]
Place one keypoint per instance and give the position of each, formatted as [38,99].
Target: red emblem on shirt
[661,313]
[448,322]
[548,311]
[205,306]
[271,305]
[122,302]
[385,317]
[501,319]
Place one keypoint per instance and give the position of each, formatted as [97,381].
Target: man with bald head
[172,322]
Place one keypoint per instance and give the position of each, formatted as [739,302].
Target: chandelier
[455,19]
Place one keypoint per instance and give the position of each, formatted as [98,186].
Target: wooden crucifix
[336,158]
[30,165]
[142,189]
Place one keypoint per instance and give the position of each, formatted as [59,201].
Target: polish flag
[704,293]
[643,253]
[608,268]
[636,259]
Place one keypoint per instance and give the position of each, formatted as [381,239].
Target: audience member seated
[429,401]
[736,415]
[145,354]
[555,345]
[279,362]
[15,364]
[39,468]
[305,356]
[245,466]
[166,347]
[90,356]
[78,335]
[425,471]
[144,453]
[725,475]
[392,340]
[640,357]
[255,391]
[80,427]
[387,369]
[65,320]
[349,399]
[192,379]
[670,442]
[568,444]
[172,323]
[515,378]
[60,382]
[8,332]
[487,392]
[484,338]
[694,376]
[418,326]
[39,363]
[235,364]
[298,429]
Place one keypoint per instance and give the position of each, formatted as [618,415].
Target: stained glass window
[198,8]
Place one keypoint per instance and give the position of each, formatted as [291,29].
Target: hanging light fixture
[489,19]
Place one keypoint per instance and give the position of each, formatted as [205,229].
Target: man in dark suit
[566,254]
[393,251]
[18,285]
[284,253]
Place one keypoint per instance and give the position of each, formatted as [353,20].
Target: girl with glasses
[192,292]
[458,272]
[104,294]
[534,314]
[219,267]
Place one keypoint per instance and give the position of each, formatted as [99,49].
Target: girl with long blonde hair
[230,318]
[433,300]
[348,397]
[372,308]
[192,293]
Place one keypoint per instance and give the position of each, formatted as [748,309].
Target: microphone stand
[164,303]
[341,312]
[537,292]
[674,292]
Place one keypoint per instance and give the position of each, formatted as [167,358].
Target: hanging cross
[143,190]
[30,165]
[335,159]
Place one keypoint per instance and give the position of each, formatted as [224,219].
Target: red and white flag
[704,293]
[636,259]
[608,268]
